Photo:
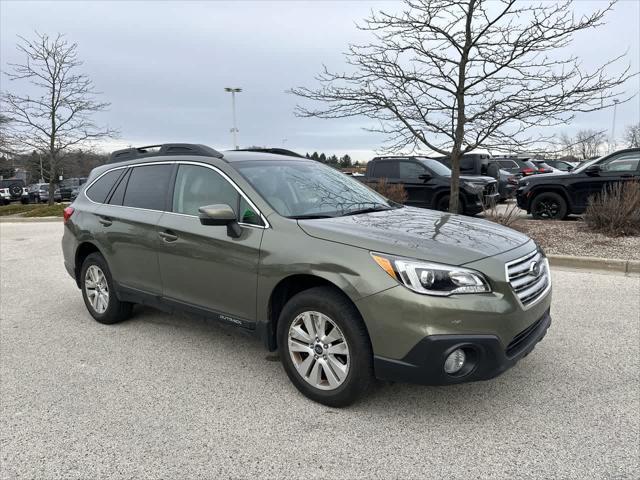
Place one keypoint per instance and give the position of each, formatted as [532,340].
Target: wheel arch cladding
[559,189]
[284,291]
[82,252]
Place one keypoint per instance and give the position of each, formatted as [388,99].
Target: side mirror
[593,170]
[220,214]
[425,177]
[569,168]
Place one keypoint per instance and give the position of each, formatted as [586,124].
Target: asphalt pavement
[167,396]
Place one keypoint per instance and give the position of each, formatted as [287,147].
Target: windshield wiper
[367,210]
[311,216]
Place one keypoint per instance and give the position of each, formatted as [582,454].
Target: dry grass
[395,192]
[616,211]
[507,216]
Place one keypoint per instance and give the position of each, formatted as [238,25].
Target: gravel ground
[571,237]
[164,396]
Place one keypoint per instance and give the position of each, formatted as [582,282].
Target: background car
[563,165]
[39,193]
[13,190]
[543,166]
[553,197]
[517,166]
[67,186]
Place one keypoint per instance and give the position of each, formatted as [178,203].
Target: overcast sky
[164,65]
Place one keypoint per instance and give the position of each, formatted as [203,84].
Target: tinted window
[466,164]
[436,167]
[508,163]
[626,162]
[201,186]
[148,186]
[247,214]
[387,169]
[411,170]
[100,189]
[118,194]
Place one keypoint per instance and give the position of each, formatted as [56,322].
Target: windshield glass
[586,164]
[436,167]
[309,189]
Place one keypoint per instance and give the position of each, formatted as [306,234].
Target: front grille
[520,340]
[529,277]
[490,189]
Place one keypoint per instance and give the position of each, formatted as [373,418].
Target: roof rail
[275,151]
[163,150]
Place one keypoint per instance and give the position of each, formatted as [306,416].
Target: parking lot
[164,396]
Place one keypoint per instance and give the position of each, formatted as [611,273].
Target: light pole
[234,130]
[612,145]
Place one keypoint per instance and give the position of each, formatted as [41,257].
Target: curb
[595,263]
[10,219]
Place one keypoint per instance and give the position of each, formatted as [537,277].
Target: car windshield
[585,165]
[308,189]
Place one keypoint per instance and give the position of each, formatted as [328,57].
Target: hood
[477,178]
[419,233]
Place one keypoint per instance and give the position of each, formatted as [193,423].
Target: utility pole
[612,144]
[234,130]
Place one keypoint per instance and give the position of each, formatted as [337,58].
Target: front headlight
[432,278]
[476,187]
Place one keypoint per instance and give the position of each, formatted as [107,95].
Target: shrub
[395,192]
[507,216]
[616,210]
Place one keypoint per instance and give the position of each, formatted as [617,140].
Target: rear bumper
[486,355]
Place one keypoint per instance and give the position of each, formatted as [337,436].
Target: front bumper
[522,198]
[486,355]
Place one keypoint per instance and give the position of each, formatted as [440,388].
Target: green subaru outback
[346,284]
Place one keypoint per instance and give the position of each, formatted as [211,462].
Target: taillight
[528,171]
[67,212]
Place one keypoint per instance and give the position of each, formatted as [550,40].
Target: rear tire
[549,206]
[334,350]
[98,292]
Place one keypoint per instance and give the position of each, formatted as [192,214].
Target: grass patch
[54,210]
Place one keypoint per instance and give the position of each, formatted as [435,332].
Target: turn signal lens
[385,264]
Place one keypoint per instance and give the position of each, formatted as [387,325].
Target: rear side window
[386,169]
[148,186]
[99,191]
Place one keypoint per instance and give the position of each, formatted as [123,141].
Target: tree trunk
[53,179]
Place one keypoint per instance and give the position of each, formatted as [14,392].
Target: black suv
[427,183]
[556,196]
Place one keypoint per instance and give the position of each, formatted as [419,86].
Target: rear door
[200,265]
[129,222]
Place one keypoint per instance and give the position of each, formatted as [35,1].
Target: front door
[201,266]
[617,168]
[418,187]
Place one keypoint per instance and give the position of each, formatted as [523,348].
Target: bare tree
[455,75]
[59,118]
[587,143]
[632,135]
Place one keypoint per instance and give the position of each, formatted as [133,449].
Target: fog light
[455,361]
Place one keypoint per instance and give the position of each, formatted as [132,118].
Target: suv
[346,284]
[13,190]
[39,193]
[427,183]
[517,166]
[482,164]
[553,197]
[69,186]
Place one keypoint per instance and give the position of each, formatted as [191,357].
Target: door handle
[168,236]
[106,221]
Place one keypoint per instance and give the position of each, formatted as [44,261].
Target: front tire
[98,292]
[549,206]
[443,204]
[324,347]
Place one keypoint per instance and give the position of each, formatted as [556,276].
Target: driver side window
[411,170]
[197,187]
[626,162]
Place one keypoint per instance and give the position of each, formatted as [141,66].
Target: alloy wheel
[318,350]
[548,209]
[97,289]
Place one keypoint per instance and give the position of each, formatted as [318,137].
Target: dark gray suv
[346,284]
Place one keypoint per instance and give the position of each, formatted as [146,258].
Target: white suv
[13,190]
